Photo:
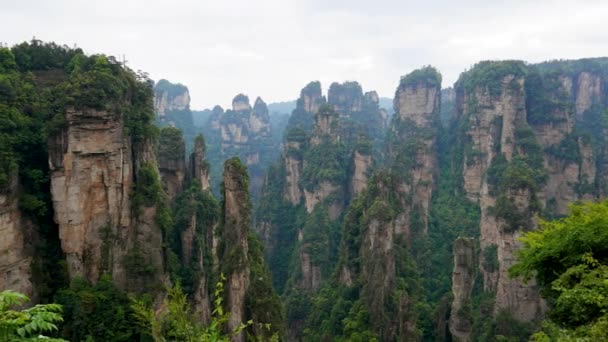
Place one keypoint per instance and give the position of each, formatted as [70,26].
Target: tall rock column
[199,168]
[16,244]
[412,146]
[503,170]
[97,177]
[463,280]
[91,178]
[236,211]
[171,161]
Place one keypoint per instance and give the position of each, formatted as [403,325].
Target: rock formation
[16,245]
[496,115]
[412,147]
[93,166]
[170,97]
[171,161]
[199,167]
[463,280]
[234,235]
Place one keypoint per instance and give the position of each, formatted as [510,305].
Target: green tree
[178,324]
[27,324]
[569,258]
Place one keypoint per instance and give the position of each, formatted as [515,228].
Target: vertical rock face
[325,135]
[91,177]
[16,249]
[362,163]
[259,119]
[346,97]
[463,280]
[199,168]
[496,126]
[413,145]
[235,235]
[326,127]
[172,106]
[293,172]
[171,161]
[170,97]
[246,133]
[588,92]
[92,164]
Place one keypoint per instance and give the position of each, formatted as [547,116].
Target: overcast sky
[273,48]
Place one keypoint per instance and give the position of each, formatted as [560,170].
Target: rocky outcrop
[463,280]
[171,161]
[346,97]
[588,92]
[16,245]
[172,106]
[362,163]
[326,127]
[413,145]
[235,237]
[246,133]
[311,98]
[170,97]
[199,167]
[496,121]
[92,167]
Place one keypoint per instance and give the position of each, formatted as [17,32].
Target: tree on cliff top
[569,258]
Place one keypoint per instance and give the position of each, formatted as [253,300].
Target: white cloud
[272,48]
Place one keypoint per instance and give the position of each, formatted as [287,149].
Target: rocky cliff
[171,153]
[412,146]
[249,293]
[199,167]
[235,237]
[17,243]
[502,170]
[244,132]
[104,227]
[463,280]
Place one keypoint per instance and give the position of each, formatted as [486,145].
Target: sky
[273,48]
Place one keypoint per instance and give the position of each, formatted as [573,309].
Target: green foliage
[97,312]
[426,76]
[200,204]
[490,258]
[171,146]
[262,304]
[568,257]
[545,99]
[489,75]
[504,328]
[179,324]
[171,89]
[324,162]
[148,189]
[27,324]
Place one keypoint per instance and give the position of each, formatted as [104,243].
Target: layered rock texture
[463,280]
[529,148]
[235,236]
[93,166]
[171,162]
[16,245]
[172,108]
[245,132]
[248,280]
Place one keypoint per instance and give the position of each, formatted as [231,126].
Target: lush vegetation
[488,75]
[426,76]
[569,259]
[27,324]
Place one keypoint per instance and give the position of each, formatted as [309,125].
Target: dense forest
[474,212]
